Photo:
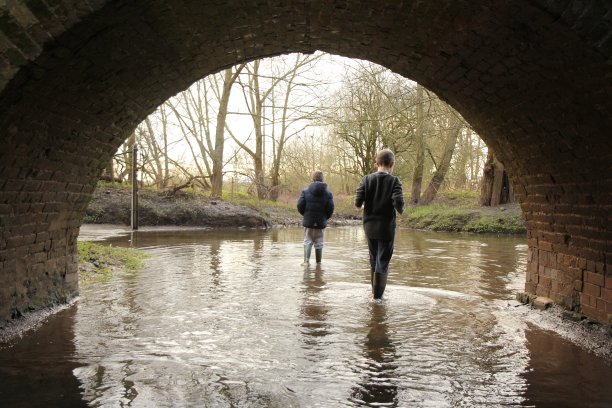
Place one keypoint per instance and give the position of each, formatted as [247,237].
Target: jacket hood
[317,188]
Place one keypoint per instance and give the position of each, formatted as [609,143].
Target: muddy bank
[584,333]
[13,330]
[112,205]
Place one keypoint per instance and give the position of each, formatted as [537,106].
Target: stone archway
[534,77]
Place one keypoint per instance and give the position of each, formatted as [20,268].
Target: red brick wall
[534,78]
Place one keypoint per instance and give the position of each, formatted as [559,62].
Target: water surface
[231,319]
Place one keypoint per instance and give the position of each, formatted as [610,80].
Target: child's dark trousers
[380,254]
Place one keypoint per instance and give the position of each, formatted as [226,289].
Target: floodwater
[231,319]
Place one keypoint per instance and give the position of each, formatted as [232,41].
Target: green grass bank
[97,262]
[460,212]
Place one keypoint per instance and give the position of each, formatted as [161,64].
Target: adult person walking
[316,204]
[381,196]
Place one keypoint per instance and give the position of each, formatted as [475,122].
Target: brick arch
[533,77]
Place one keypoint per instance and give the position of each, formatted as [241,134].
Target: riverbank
[98,262]
[461,212]
[456,212]
[111,204]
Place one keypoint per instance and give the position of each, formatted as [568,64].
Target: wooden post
[135,188]
[133,239]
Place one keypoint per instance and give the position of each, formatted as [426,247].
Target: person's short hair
[385,157]
[317,175]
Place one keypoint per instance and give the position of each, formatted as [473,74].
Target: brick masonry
[533,77]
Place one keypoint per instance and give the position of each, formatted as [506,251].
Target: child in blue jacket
[316,204]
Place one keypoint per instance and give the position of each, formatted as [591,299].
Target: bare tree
[223,95]
[295,114]
[317,152]
[289,132]
[371,111]
[205,138]
[268,95]
[154,154]
[469,154]
[454,129]
[419,137]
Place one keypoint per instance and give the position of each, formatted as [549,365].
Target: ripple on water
[231,319]
[244,302]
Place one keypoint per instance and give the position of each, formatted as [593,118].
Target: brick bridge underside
[533,77]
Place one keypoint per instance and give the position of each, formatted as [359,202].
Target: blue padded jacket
[316,204]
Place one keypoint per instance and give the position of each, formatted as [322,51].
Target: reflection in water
[313,310]
[377,387]
[231,319]
[37,370]
[556,364]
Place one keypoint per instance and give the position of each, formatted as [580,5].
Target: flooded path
[231,319]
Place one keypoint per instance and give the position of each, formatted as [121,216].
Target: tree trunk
[417,180]
[262,107]
[110,170]
[278,146]
[275,186]
[216,178]
[495,188]
[153,154]
[166,174]
[440,173]
[498,182]
[487,180]
[257,102]
[511,196]
[260,186]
